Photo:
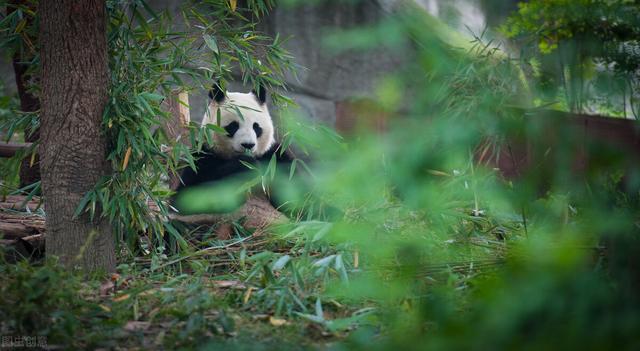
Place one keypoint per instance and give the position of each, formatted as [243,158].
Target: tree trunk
[73,148]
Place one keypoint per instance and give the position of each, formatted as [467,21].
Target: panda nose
[248,146]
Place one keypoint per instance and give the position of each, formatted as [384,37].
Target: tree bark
[73,147]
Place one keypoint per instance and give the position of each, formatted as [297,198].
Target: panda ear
[261,94]
[216,93]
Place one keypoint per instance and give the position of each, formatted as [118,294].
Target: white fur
[252,112]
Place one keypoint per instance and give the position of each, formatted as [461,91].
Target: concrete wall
[326,78]
[329,78]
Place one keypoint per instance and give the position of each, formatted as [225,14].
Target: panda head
[246,120]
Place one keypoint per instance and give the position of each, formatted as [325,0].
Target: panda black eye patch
[232,128]
[257,129]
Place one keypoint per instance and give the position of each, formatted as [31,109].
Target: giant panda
[248,139]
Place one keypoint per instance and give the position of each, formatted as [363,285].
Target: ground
[256,290]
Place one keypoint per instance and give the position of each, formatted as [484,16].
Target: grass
[276,290]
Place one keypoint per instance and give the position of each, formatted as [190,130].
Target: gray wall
[328,78]
[324,78]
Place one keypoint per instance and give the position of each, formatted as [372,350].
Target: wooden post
[178,106]
[175,127]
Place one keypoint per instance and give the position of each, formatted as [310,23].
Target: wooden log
[16,225]
[15,230]
[21,233]
[257,212]
[7,242]
[22,217]
[36,241]
[30,248]
[10,149]
[17,202]
[21,228]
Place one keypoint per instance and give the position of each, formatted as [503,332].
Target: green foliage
[18,31]
[284,276]
[50,302]
[150,58]
[16,38]
[8,167]
[420,247]
[589,49]
[138,309]
[452,255]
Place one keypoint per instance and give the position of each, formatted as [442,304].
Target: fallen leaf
[137,326]
[277,322]
[147,292]
[233,284]
[247,295]
[121,298]
[153,312]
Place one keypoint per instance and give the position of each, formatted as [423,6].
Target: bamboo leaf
[271,169]
[152,96]
[82,205]
[292,169]
[216,128]
[319,312]
[21,25]
[323,262]
[281,262]
[211,43]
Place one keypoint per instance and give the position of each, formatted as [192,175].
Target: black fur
[257,129]
[261,94]
[211,167]
[232,128]
[216,93]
